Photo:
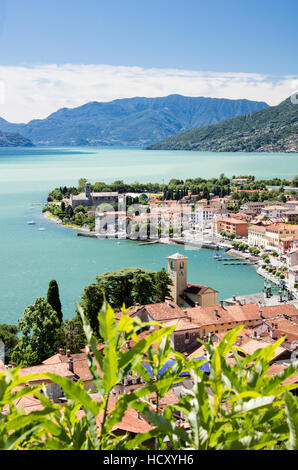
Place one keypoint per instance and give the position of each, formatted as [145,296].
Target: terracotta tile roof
[59,369]
[80,365]
[283,309]
[209,315]
[284,325]
[231,220]
[170,398]
[182,325]
[251,345]
[29,403]
[164,311]
[196,289]
[277,368]
[257,228]
[131,422]
[214,315]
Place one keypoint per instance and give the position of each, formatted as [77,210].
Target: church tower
[177,270]
[88,190]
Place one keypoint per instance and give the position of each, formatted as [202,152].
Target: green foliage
[38,328]
[53,298]
[71,335]
[235,407]
[127,286]
[8,334]
[271,129]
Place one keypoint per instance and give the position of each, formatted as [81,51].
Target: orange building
[232,225]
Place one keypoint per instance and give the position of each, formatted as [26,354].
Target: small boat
[31,222]
[41,229]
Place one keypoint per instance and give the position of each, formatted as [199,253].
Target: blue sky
[256,38]
[215,35]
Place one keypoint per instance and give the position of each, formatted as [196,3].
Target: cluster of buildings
[196,313]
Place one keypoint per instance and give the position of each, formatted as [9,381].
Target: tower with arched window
[177,270]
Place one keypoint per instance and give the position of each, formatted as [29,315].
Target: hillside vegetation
[274,129]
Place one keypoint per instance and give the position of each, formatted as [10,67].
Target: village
[194,312]
[262,232]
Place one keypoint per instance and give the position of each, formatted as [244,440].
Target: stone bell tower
[177,270]
[88,190]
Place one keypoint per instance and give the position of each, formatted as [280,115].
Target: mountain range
[134,122]
[274,129]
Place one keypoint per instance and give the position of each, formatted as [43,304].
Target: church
[93,199]
[183,293]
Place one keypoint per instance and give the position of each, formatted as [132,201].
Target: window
[181,265]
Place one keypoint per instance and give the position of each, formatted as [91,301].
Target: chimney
[61,351]
[68,353]
[168,300]
[197,304]
[70,364]
[216,313]
[221,303]
[261,313]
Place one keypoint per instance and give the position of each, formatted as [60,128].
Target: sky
[65,53]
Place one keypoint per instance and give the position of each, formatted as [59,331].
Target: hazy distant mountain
[274,129]
[10,139]
[131,121]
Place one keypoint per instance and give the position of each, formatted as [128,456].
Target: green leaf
[292,419]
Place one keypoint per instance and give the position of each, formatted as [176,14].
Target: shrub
[235,407]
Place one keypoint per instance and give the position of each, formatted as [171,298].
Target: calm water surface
[29,258]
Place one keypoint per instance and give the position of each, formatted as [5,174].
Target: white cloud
[33,92]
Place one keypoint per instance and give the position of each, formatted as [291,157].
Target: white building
[274,211]
[256,236]
[202,215]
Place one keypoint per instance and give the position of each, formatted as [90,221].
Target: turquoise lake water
[29,258]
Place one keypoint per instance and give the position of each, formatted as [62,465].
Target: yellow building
[184,293]
[275,232]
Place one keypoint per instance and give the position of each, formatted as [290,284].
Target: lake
[30,258]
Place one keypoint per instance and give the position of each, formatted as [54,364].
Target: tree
[127,286]
[142,288]
[81,185]
[162,283]
[69,211]
[8,334]
[38,327]
[53,299]
[71,335]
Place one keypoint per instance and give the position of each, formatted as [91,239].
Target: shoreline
[52,218]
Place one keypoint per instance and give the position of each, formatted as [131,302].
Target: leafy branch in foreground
[234,407]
